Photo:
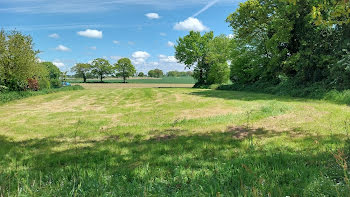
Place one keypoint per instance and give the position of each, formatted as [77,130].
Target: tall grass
[16,95]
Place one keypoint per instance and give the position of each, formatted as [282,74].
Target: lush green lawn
[164,80]
[171,142]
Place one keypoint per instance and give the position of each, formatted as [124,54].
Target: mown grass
[164,80]
[16,95]
[172,142]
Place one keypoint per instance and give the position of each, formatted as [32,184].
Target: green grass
[16,95]
[164,80]
[171,142]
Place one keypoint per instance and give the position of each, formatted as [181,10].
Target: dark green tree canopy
[54,74]
[101,67]
[192,50]
[141,74]
[290,41]
[82,70]
[156,73]
[124,68]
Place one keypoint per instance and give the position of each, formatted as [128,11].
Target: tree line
[101,68]
[294,43]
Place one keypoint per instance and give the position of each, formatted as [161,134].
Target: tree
[124,68]
[101,67]
[218,56]
[156,73]
[141,74]
[294,42]
[192,50]
[82,70]
[150,73]
[18,61]
[53,74]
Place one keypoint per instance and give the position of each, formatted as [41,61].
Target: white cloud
[131,43]
[152,16]
[58,63]
[140,57]
[62,48]
[54,36]
[191,24]
[162,34]
[93,48]
[167,59]
[90,33]
[116,42]
[171,44]
[230,36]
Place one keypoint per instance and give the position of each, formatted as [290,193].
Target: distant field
[164,80]
[132,85]
[102,141]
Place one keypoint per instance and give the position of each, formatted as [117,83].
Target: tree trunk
[201,80]
[101,77]
[124,79]
[84,78]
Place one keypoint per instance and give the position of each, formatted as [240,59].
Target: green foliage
[192,50]
[179,74]
[101,67]
[277,41]
[45,83]
[124,68]
[18,61]
[82,70]
[3,89]
[141,74]
[342,97]
[54,74]
[332,12]
[16,95]
[218,55]
[156,73]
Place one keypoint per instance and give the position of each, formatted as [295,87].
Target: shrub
[342,97]
[44,83]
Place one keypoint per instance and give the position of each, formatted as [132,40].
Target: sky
[78,31]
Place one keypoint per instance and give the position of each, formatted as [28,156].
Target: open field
[171,142]
[132,85]
[142,80]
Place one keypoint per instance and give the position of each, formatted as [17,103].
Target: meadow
[172,142]
[141,80]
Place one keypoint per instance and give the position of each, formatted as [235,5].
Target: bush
[44,84]
[338,96]
[313,91]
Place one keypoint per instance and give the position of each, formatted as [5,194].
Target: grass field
[146,80]
[172,142]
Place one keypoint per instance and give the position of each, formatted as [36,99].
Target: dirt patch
[163,137]
[241,132]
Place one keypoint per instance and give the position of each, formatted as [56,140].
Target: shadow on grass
[169,163]
[246,96]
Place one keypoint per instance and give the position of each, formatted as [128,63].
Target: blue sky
[71,31]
